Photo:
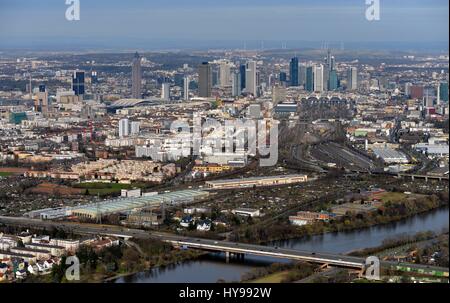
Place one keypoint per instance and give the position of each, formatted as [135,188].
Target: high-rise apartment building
[124,128]
[135,128]
[165,91]
[186,82]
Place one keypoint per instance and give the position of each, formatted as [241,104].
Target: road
[206,244]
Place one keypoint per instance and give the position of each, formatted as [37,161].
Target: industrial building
[96,210]
[246,212]
[433,149]
[257,181]
[389,155]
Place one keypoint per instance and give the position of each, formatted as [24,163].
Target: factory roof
[124,204]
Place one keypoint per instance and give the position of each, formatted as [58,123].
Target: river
[212,267]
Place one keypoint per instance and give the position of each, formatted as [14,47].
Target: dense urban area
[145,161]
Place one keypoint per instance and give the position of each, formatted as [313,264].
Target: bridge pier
[227,256]
[240,256]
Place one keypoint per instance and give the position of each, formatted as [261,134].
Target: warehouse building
[257,181]
[126,205]
[389,155]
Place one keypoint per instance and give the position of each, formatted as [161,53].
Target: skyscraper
[330,61]
[242,70]
[352,78]
[443,91]
[302,75]
[332,81]
[136,75]
[318,78]
[78,83]
[204,80]
[41,100]
[236,83]
[186,88]
[251,85]
[224,74]
[310,79]
[293,71]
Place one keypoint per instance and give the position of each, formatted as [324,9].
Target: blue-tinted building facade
[294,71]
[78,83]
[309,79]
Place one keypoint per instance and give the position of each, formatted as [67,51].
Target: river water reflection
[212,267]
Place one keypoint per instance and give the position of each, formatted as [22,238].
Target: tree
[191,226]
[130,259]
[58,271]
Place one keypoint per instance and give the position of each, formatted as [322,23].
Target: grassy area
[393,197]
[106,189]
[5,174]
[277,277]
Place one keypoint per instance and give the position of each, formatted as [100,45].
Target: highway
[208,245]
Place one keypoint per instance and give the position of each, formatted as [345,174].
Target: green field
[5,174]
[106,189]
[393,197]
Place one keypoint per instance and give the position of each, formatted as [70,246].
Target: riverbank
[212,267]
[392,243]
[280,273]
[195,255]
[390,213]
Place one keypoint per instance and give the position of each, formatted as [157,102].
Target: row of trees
[122,259]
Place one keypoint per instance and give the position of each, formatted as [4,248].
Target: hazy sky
[137,23]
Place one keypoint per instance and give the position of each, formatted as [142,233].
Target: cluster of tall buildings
[318,77]
[241,79]
[244,78]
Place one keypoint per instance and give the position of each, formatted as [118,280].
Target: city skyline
[229,142]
